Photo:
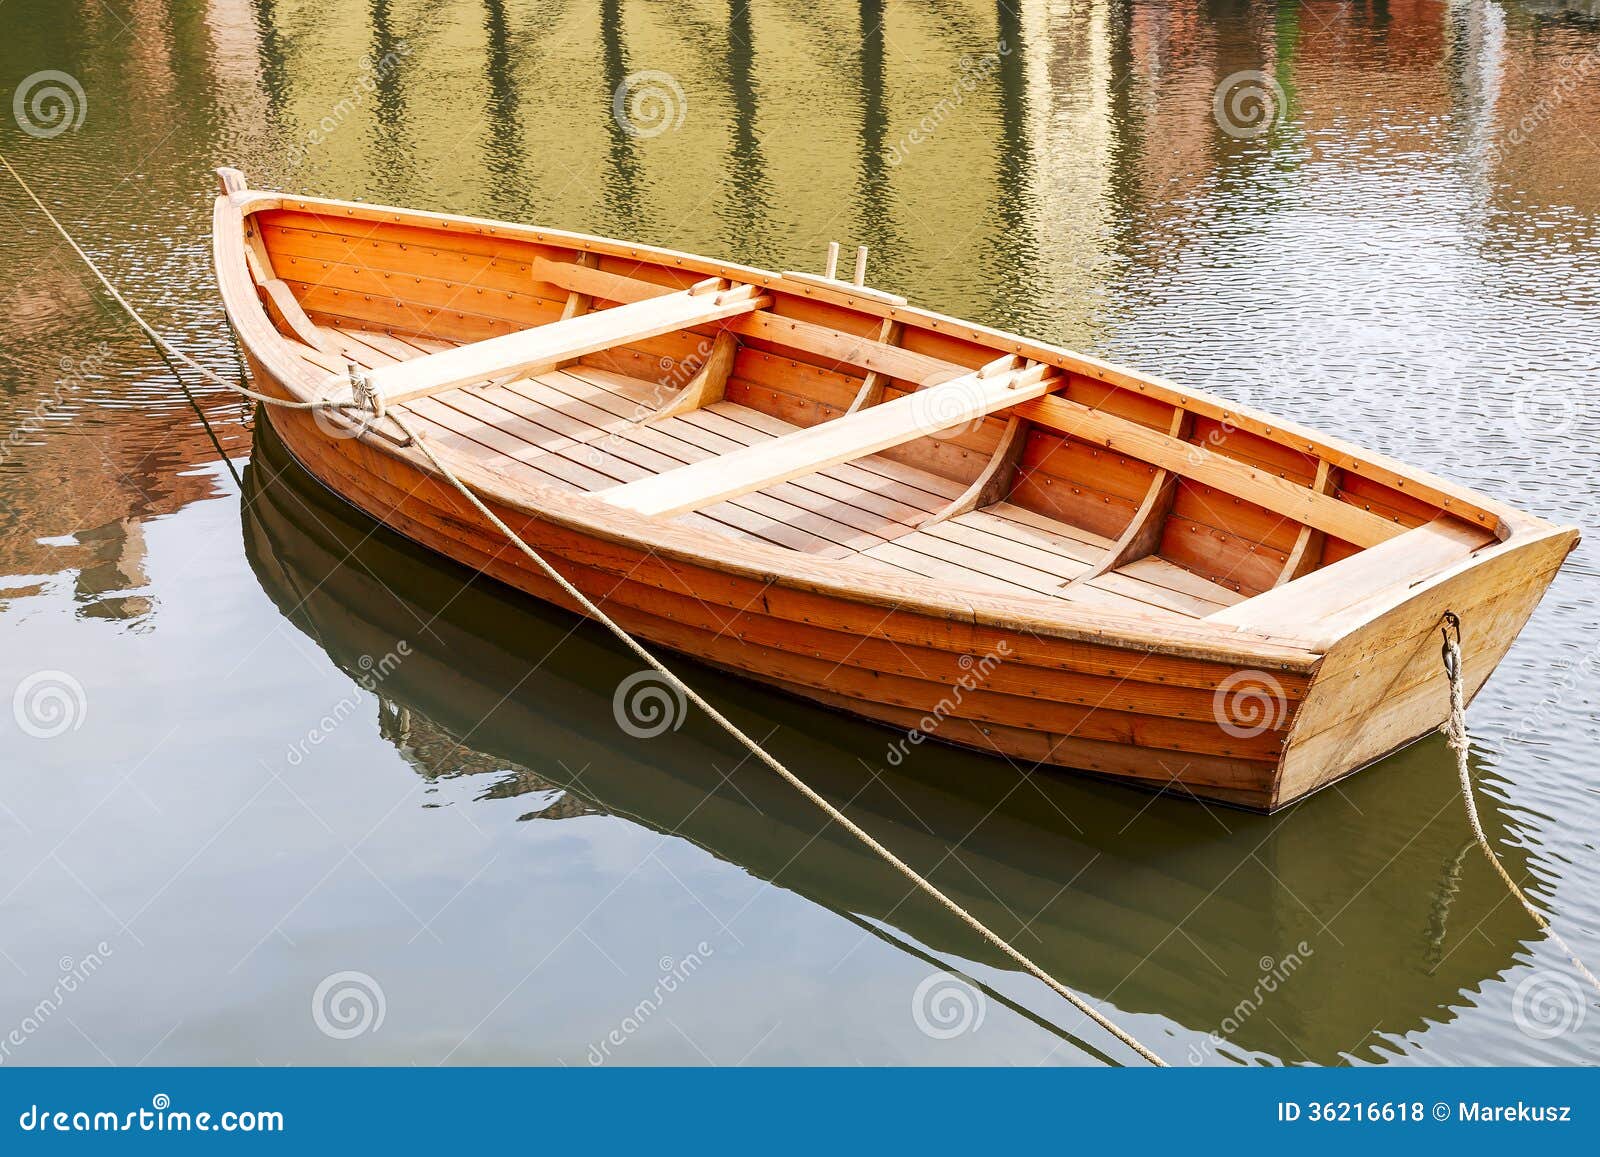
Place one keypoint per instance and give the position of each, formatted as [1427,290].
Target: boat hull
[1255,712]
[1061,703]
[1282,734]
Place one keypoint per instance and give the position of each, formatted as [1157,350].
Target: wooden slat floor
[581,428]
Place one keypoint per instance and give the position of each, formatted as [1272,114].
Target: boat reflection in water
[1321,933]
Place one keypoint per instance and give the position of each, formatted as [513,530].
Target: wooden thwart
[954,403]
[559,341]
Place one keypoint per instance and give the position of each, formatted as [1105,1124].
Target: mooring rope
[593,611]
[161,343]
[1455,730]
[771,761]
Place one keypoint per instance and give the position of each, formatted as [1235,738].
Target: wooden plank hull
[1111,710]
[1210,693]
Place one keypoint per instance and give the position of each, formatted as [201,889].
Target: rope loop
[1455,729]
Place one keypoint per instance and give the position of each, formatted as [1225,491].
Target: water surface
[318,797]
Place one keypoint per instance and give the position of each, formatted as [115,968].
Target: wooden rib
[577,303]
[709,382]
[843,440]
[871,392]
[1306,554]
[1143,533]
[1279,495]
[548,345]
[286,314]
[995,482]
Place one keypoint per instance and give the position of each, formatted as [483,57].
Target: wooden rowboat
[958,532]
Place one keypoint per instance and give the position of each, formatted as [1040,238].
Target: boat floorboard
[582,428]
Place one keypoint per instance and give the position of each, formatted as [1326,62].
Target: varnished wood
[891,424]
[1306,554]
[871,391]
[709,383]
[854,558]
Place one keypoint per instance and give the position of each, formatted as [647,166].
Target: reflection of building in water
[435,754]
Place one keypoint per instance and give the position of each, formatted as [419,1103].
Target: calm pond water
[311,796]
